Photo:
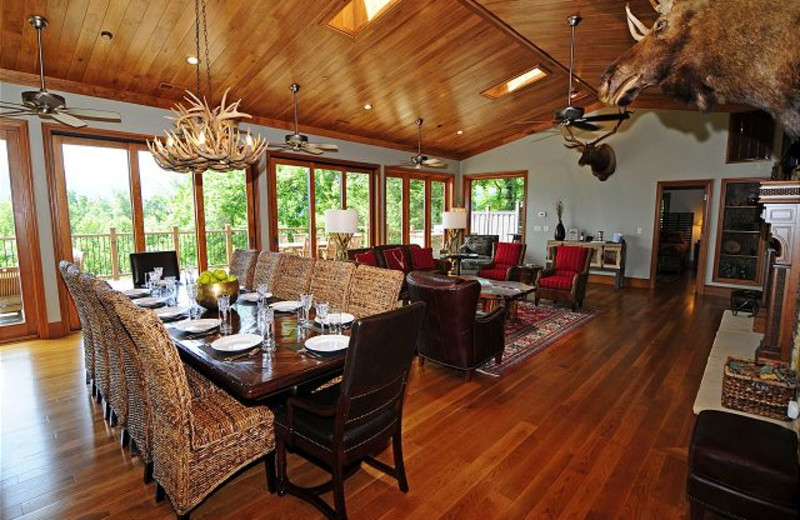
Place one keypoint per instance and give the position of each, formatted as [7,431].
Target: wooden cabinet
[740,233]
[604,256]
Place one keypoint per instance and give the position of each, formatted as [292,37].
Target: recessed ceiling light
[460,132]
[192,60]
[367,107]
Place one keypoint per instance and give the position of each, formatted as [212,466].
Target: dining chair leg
[280,454]
[134,448]
[124,438]
[468,376]
[160,494]
[269,466]
[106,411]
[399,465]
[421,361]
[148,472]
[98,397]
[112,417]
[498,358]
[88,377]
[338,492]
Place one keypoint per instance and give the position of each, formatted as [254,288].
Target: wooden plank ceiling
[428,58]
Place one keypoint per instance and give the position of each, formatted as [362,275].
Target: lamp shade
[454,220]
[341,221]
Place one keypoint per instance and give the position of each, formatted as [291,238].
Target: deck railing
[502,223]
[106,254]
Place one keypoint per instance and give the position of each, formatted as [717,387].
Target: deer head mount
[599,156]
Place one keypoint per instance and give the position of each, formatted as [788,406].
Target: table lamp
[454,223]
[341,225]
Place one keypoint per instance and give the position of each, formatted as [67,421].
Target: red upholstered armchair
[566,279]
[506,256]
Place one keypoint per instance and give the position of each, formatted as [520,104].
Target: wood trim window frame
[466,193]
[15,131]
[345,167]
[407,175]
[54,136]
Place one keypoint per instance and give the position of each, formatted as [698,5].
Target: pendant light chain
[200,18]
[197,46]
[208,60]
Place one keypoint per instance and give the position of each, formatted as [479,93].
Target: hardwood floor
[595,427]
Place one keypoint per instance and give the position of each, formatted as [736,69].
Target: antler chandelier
[203,138]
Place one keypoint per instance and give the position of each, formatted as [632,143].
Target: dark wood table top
[501,290]
[260,375]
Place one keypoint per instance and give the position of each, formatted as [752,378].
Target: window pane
[394,210]
[10,289]
[168,210]
[416,211]
[358,199]
[99,200]
[327,195]
[438,205]
[497,206]
[225,206]
[292,195]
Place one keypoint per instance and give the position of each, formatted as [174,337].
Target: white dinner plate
[171,312]
[251,297]
[136,293]
[195,326]
[287,306]
[150,301]
[329,343]
[345,318]
[236,342]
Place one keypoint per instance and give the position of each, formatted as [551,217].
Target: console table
[605,256]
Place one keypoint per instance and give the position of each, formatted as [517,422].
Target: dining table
[257,375]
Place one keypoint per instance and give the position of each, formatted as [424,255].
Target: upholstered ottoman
[742,468]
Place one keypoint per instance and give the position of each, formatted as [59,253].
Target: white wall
[151,121]
[652,146]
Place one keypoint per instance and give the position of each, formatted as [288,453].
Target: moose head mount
[710,52]
[599,156]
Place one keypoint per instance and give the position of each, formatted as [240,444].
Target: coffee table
[506,293]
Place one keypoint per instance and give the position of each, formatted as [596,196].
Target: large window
[301,192]
[415,202]
[496,204]
[117,200]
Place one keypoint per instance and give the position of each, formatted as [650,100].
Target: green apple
[204,279]
[230,278]
[220,275]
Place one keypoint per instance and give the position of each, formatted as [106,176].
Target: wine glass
[159,272]
[305,302]
[194,308]
[322,313]
[224,305]
[172,290]
[263,290]
[266,321]
[335,322]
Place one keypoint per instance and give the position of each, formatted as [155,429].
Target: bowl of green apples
[211,284]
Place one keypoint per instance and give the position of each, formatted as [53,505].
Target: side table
[525,274]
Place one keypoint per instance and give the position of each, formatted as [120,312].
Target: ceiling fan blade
[434,163]
[11,112]
[91,113]
[6,104]
[608,117]
[589,127]
[535,122]
[278,146]
[325,147]
[66,119]
[313,150]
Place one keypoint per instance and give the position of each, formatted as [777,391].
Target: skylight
[517,82]
[357,14]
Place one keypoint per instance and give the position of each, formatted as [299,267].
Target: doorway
[680,236]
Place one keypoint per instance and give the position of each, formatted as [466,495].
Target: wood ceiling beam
[25,78]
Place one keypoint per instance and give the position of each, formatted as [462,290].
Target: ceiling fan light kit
[419,160]
[298,142]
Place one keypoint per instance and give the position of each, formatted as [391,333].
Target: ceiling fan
[419,160]
[572,115]
[47,105]
[298,142]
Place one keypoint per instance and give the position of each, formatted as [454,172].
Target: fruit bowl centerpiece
[212,284]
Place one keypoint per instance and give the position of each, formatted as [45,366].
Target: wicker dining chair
[292,277]
[69,273]
[199,441]
[330,282]
[374,290]
[266,267]
[104,334]
[243,266]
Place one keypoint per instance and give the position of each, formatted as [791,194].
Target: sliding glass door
[414,205]
[301,192]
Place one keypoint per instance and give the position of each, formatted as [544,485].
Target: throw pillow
[367,258]
[395,259]
[422,258]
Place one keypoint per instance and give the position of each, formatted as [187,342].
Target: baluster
[228,243]
[114,250]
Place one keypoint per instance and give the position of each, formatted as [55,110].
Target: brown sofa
[452,333]
[442,266]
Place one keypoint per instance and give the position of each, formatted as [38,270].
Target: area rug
[535,329]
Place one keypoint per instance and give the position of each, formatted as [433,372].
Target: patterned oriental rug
[535,329]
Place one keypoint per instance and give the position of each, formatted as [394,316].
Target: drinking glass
[150,281]
[159,272]
[224,305]
[266,323]
[263,290]
[322,313]
[305,302]
[171,290]
[335,322]
[194,308]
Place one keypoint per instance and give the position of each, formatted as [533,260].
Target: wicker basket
[746,391]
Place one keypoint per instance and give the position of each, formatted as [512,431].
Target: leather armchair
[453,334]
[566,279]
[506,256]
